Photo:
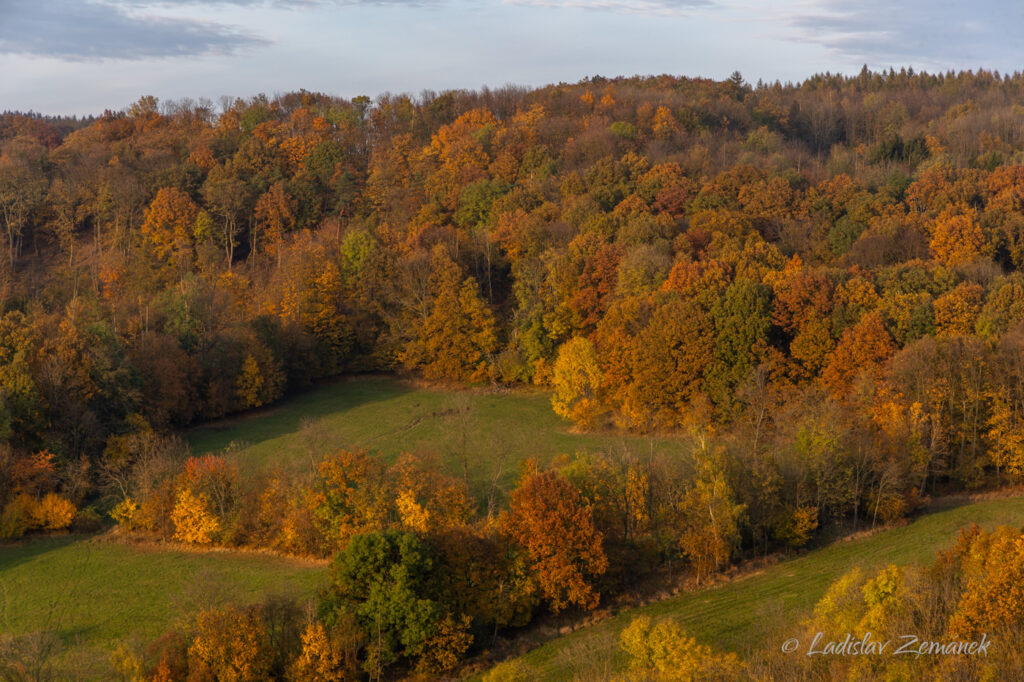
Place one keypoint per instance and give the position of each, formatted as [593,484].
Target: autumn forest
[817,289]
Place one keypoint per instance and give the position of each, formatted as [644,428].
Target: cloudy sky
[84,56]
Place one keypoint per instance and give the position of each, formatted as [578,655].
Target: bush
[124,513]
[18,517]
[54,512]
[193,522]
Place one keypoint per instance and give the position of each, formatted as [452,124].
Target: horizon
[222,103]
[83,57]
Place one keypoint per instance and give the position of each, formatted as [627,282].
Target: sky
[86,56]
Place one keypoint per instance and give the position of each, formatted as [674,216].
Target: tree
[741,326]
[231,645]
[457,338]
[957,238]
[170,226]
[22,188]
[212,478]
[329,655]
[596,284]
[461,152]
[992,568]
[710,518]
[671,355]
[577,379]
[261,380]
[275,217]
[1004,306]
[957,310]
[663,651]
[54,512]
[386,580]
[348,497]
[193,520]
[549,519]
[429,500]
[482,578]
[227,195]
[20,396]
[169,379]
[861,348]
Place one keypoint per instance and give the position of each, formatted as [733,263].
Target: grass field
[752,611]
[95,593]
[497,430]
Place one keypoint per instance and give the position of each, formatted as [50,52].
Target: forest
[817,287]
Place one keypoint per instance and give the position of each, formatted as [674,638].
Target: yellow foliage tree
[577,377]
[842,605]
[193,520]
[993,595]
[53,512]
[348,497]
[664,651]
[956,311]
[665,124]
[124,512]
[1006,438]
[709,517]
[445,649]
[798,527]
[328,656]
[957,238]
[18,516]
[250,383]
[413,516]
[230,645]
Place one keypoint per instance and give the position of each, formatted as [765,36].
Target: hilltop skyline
[82,57]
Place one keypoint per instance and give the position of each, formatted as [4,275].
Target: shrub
[18,517]
[53,512]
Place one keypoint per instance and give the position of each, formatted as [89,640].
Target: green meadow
[753,611]
[486,432]
[94,593]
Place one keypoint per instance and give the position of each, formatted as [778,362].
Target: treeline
[568,537]
[820,282]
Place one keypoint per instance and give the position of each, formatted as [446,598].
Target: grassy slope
[388,416]
[96,593]
[751,611]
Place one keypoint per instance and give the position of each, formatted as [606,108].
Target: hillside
[747,613]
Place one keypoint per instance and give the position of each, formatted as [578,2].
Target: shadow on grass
[27,549]
[287,416]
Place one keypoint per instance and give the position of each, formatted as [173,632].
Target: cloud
[936,33]
[276,4]
[79,30]
[630,6]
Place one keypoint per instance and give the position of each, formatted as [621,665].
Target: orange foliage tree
[549,519]
[457,338]
[170,224]
[863,347]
